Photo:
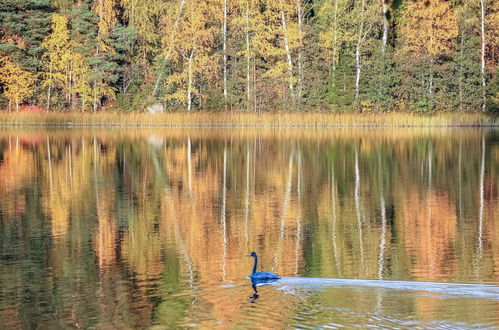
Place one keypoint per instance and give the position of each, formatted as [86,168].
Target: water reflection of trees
[116,223]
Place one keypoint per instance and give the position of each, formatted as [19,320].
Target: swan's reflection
[259,282]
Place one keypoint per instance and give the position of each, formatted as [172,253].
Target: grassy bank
[238,119]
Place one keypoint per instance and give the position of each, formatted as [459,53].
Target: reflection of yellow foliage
[104,242]
[16,169]
[429,229]
[56,199]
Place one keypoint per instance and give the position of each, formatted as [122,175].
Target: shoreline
[201,119]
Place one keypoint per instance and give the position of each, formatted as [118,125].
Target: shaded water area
[150,228]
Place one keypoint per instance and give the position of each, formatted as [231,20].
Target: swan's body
[260,276]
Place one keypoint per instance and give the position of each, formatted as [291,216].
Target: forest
[250,55]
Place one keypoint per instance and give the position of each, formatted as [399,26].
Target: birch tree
[57,46]
[191,49]
[429,32]
[18,83]
[482,35]
[332,17]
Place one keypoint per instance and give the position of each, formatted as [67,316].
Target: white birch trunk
[335,40]
[358,53]
[248,80]
[461,55]
[189,86]
[288,54]
[224,32]
[300,49]
[384,38]
[170,47]
[482,32]
[49,92]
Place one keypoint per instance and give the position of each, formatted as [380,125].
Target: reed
[241,119]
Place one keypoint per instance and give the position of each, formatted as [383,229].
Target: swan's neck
[254,265]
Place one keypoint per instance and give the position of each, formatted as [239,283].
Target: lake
[149,228]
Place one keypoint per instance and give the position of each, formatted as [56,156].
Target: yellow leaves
[80,77]
[188,40]
[107,15]
[66,68]
[106,11]
[429,27]
[17,82]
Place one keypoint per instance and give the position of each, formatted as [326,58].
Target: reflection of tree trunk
[97,202]
[247,198]
[287,196]
[223,219]
[333,211]
[189,167]
[178,235]
[382,241]
[358,211]
[70,161]
[298,216]
[430,170]
[285,205]
[49,156]
[460,175]
[481,210]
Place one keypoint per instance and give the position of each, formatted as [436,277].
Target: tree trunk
[248,63]
[335,41]
[225,50]
[482,30]
[430,87]
[169,52]
[189,87]
[288,54]
[384,39]
[95,96]
[300,50]
[358,52]
[461,55]
[49,92]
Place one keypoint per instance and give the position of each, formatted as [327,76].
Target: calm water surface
[150,228]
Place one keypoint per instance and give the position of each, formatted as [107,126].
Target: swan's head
[252,254]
